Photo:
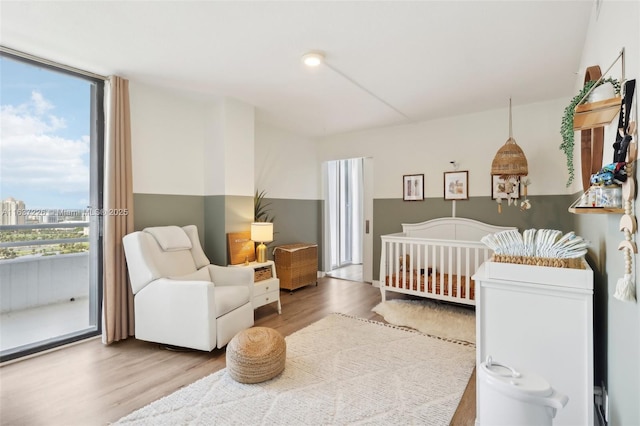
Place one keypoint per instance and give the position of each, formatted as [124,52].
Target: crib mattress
[441,280]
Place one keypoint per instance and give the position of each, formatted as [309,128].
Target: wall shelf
[596,114]
[576,209]
[595,210]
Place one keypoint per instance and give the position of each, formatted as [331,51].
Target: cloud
[34,156]
[40,104]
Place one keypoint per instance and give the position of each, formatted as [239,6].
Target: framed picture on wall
[456,185]
[504,189]
[413,187]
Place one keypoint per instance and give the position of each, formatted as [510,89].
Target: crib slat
[443,271]
[452,271]
[398,254]
[410,266]
[467,274]
[434,269]
[458,280]
[419,276]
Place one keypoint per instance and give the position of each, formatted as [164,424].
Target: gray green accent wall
[215,238]
[224,214]
[239,213]
[214,216]
[549,211]
[296,221]
[302,220]
[163,209]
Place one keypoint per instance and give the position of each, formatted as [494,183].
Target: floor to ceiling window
[345,211]
[51,138]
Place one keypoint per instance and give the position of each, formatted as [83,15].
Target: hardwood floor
[350,272]
[93,384]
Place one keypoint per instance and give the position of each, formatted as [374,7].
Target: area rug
[430,317]
[340,370]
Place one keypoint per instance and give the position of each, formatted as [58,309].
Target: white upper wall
[167,141]
[286,164]
[185,146]
[239,143]
[470,140]
[214,151]
[229,151]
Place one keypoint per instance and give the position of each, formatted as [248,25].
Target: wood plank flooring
[93,384]
[350,272]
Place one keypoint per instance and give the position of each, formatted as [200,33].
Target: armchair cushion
[224,275]
[229,298]
[199,275]
[196,251]
[174,263]
[170,238]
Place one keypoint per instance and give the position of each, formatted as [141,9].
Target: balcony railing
[33,280]
[40,242]
[44,297]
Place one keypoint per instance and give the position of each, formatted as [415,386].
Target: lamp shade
[510,160]
[262,232]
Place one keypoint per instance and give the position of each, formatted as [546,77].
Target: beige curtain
[118,320]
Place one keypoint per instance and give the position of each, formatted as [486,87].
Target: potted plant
[261,210]
[566,129]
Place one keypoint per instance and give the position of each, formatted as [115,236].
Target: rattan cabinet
[297,265]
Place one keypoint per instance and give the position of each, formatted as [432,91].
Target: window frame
[96,178]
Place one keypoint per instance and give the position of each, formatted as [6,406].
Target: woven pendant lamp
[510,160]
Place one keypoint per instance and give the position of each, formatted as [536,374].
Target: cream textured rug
[339,370]
[430,317]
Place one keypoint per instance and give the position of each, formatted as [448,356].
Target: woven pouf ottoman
[255,355]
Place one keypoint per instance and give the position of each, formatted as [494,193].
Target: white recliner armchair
[180,299]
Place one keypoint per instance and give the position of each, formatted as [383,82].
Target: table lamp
[261,232]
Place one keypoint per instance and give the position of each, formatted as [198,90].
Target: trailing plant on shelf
[566,128]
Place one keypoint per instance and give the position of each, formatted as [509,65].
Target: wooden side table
[266,283]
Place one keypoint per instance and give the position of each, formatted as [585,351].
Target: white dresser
[540,319]
[266,287]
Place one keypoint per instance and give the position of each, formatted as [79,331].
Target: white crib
[435,259]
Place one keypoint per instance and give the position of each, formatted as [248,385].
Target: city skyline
[27,206]
[16,212]
[44,137]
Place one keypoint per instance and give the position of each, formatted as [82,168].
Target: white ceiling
[427,59]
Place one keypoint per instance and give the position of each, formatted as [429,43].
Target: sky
[44,136]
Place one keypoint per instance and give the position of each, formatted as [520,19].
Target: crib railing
[449,264]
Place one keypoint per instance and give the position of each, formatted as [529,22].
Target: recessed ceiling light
[312,59]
